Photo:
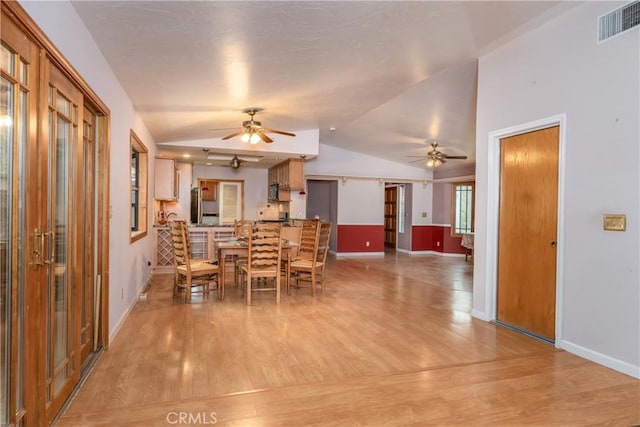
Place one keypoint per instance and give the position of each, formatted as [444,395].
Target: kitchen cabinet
[166,179]
[289,175]
[209,189]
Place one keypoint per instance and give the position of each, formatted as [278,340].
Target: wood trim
[35,365]
[103,144]
[143,189]
[28,25]
[453,205]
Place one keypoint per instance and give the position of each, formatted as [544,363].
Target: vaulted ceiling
[388,76]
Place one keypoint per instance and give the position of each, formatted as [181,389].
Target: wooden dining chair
[189,273]
[265,253]
[312,268]
[241,230]
[308,239]
[291,236]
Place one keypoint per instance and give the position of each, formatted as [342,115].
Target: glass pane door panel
[57,250]
[230,204]
[6,157]
[13,142]
[61,295]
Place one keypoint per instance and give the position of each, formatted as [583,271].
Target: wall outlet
[424,214]
[366,244]
[438,243]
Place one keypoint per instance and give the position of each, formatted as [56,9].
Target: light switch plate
[615,222]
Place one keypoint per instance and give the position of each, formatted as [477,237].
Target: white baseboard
[435,253]
[602,359]
[118,325]
[480,315]
[358,254]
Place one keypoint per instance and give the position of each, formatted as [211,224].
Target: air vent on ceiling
[622,19]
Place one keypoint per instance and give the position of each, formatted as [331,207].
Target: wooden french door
[528,232]
[49,216]
[87,182]
[20,291]
[390,216]
[62,238]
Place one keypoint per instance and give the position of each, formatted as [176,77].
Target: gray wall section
[441,203]
[322,200]
[404,239]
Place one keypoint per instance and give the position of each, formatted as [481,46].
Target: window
[139,168]
[462,195]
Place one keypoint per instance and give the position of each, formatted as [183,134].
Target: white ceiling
[389,76]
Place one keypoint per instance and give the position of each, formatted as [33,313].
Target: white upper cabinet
[166,179]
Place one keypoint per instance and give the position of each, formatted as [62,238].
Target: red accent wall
[426,238]
[353,238]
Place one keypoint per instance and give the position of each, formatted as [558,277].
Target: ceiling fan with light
[252,130]
[435,157]
[235,161]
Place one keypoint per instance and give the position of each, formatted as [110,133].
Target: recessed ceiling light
[332,128]
[209,163]
[186,155]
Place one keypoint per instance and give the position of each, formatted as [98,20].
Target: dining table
[240,247]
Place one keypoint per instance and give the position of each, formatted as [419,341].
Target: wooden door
[62,239]
[528,232]
[390,216]
[87,182]
[20,323]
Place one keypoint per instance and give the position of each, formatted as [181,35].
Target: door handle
[50,247]
[37,247]
[554,244]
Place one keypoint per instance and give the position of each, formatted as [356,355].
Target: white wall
[559,68]
[128,268]
[361,201]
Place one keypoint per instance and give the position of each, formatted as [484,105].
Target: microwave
[274,192]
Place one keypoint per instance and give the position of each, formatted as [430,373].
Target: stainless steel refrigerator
[196,205]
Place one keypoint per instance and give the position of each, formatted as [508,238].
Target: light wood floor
[391,342]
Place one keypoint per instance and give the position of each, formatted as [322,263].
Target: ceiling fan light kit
[252,131]
[435,158]
[235,163]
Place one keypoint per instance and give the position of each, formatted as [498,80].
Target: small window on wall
[138,168]
[462,195]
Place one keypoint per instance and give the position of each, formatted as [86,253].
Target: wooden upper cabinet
[209,189]
[166,179]
[289,175]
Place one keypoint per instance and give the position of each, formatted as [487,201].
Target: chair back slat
[308,239]
[180,243]
[242,228]
[323,241]
[265,247]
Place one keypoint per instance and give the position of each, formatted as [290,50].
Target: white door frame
[493,212]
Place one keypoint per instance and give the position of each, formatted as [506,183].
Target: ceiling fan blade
[281,132]
[217,129]
[264,137]
[234,134]
[455,157]
[422,157]
[418,160]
